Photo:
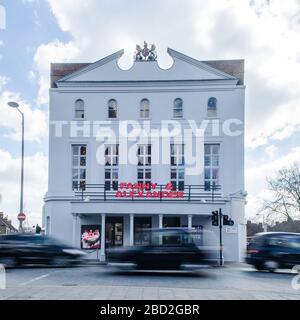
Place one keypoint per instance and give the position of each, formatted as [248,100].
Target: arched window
[79,109]
[112,108]
[178,108]
[145,108]
[212,107]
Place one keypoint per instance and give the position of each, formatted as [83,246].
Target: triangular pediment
[183,68]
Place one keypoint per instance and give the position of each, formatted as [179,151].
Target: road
[98,282]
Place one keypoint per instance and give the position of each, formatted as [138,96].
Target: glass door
[114,232]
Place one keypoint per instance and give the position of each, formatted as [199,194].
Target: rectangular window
[111,167]
[78,167]
[144,163]
[177,166]
[211,165]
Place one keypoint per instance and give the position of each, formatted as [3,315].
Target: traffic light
[215,218]
[227,221]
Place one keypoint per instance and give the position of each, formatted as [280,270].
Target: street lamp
[15,105]
[265,226]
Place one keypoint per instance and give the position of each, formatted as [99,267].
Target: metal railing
[112,193]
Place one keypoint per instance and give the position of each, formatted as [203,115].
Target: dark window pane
[181,185]
[140,174]
[83,161]
[107,185]
[148,175]
[212,103]
[82,185]
[207,185]
[83,150]
[115,185]
[75,185]
[174,184]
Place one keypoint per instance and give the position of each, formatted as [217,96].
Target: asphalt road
[99,282]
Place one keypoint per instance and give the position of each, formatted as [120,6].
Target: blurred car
[19,249]
[167,248]
[274,250]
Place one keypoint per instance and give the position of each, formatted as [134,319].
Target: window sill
[178,118]
[79,119]
[112,119]
[212,117]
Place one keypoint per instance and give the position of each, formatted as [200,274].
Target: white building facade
[145,148]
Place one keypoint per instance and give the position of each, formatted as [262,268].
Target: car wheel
[59,261]
[8,262]
[258,267]
[271,265]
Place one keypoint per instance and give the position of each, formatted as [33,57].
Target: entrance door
[142,237]
[114,232]
[171,222]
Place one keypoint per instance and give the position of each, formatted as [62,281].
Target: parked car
[19,249]
[166,248]
[274,250]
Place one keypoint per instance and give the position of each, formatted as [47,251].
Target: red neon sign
[147,190]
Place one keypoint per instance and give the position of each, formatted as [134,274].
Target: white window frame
[144,109]
[178,111]
[177,166]
[78,169]
[111,153]
[112,109]
[212,112]
[144,163]
[211,165]
[79,109]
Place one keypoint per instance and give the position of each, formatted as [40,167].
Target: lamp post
[15,105]
[265,226]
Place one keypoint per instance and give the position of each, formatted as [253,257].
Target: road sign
[21,216]
[231,229]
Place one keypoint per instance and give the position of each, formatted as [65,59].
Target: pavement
[99,282]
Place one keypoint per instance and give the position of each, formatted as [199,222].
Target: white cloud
[271,151]
[55,51]
[36,122]
[35,181]
[3,81]
[265,33]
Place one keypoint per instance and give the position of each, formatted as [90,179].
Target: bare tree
[285,189]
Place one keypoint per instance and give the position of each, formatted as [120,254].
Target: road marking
[35,279]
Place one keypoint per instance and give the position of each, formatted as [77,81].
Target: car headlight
[74,252]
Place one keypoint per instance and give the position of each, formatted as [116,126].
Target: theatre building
[145,148]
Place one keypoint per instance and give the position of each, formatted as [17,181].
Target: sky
[33,33]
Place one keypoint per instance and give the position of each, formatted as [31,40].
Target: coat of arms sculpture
[145,53]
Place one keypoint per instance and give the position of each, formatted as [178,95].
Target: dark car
[274,250]
[166,248]
[19,249]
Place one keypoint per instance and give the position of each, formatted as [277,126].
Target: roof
[60,70]
[234,68]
